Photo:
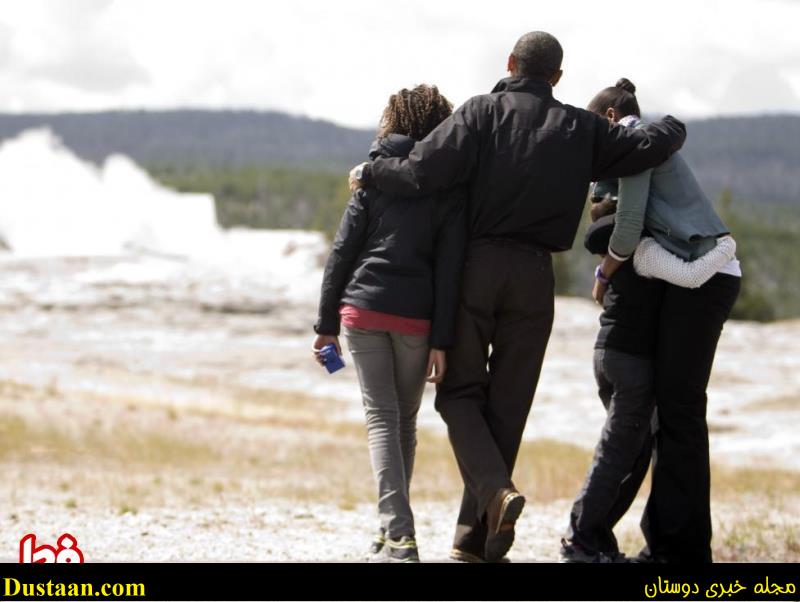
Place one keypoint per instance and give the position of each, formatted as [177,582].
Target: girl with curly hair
[392,281]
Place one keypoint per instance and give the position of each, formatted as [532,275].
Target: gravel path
[276,530]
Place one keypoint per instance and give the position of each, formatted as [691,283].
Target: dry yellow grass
[23,441]
[786,403]
[138,456]
[548,470]
[758,538]
[772,483]
[327,459]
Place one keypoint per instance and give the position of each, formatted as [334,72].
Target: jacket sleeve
[442,160]
[347,245]
[654,261]
[621,151]
[598,235]
[631,209]
[450,249]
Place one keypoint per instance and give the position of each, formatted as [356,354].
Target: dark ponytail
[621,97]
[625,84]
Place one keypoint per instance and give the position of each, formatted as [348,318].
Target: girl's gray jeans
[391,370]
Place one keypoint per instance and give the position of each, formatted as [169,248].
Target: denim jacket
[669,202]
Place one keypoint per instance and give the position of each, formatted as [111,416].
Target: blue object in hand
[331,359]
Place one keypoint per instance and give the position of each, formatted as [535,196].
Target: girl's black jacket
[397,255]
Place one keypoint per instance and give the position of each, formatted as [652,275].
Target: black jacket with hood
[526,159]
[398,256]
[632,304]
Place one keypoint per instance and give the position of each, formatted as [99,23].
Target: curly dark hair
[414,113]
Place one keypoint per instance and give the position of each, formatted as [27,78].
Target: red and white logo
[66,552]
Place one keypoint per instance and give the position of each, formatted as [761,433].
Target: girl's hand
[354,182]
[599,291]
[437,366]
[320,342]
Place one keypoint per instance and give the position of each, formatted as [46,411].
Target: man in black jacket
[527,161]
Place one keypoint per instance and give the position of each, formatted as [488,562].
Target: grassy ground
[91,454]
[784,403]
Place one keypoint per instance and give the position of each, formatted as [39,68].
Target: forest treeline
[285,197]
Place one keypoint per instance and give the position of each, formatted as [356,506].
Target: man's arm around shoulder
[623,151]
[445,158]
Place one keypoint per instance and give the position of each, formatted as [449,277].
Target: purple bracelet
[601,278]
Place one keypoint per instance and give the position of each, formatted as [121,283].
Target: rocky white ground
[148,343]
[146,325]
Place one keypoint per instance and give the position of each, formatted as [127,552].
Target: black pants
[677,520]
[622,456]
[506,304]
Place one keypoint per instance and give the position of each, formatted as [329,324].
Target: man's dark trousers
[506,303]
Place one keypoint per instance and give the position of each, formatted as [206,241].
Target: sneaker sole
[573,561]
[463,556]
[499,543]
[583,558]
[390,545]
[563,560]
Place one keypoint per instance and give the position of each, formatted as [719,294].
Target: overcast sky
[339,60]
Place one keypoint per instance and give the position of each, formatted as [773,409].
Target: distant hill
[201,138]
[758,158]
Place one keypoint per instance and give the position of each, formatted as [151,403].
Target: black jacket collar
[393,145]
[538,87]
